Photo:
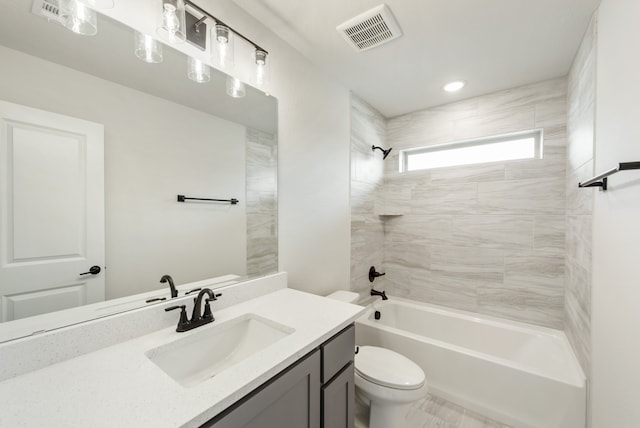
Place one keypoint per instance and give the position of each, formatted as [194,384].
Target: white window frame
[537,134]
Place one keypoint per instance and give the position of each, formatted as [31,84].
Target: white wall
[616,230]
[313,162]
[154,150]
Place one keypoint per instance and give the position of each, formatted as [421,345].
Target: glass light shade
[147,48]
[222,52]
[198,71]
[171,20]
[235,88]
[79,18]
[260,73]
[98,4]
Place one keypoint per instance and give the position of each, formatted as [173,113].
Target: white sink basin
[208,350]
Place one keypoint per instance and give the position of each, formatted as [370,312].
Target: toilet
[388,381]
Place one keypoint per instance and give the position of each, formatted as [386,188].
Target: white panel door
[52,212]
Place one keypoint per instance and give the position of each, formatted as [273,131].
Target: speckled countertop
[119,386]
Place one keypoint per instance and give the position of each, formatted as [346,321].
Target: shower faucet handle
[373,274]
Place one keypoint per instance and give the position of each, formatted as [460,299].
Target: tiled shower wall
[580,148]
[488,238]
[262,203]
[368,127]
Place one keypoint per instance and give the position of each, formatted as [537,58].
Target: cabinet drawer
[337,352]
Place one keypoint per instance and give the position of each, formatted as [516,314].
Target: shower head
[385,152]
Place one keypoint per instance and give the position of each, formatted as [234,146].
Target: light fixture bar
[218,21]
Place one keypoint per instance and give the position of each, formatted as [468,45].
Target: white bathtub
[519,374]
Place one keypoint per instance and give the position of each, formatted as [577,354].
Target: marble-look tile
[466,259]
[261,202]
[425,228]
[472,173]
[549,233]
[555,136]
[577,327]
[522,305]
[444,198]
[552,164]
[580,200]
[408,254]
[581,138]
[495,123]
[579,259]
[524,95]
[551,112]
[539,273]
[528,196]
[393,199]
[495,231]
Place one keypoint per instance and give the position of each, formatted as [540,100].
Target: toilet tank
[344,296]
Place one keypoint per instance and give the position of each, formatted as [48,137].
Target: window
[520,145]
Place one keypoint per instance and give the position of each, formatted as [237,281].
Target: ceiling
[491,44]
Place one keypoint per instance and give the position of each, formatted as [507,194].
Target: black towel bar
[183,198]
[601,180]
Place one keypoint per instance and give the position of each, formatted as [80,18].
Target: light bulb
[170,21]
[261,72]
[223,51]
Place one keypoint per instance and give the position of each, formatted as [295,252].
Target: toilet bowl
[390,382]
[387,381]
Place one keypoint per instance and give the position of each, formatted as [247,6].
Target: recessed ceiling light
[454,86]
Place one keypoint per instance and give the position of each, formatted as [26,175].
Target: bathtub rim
[577,379]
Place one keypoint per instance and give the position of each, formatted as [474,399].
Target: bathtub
[519,374]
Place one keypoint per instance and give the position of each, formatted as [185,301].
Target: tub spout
[379,293]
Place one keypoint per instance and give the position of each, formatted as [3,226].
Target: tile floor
[434,412]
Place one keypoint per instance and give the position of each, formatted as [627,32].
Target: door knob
[93,270]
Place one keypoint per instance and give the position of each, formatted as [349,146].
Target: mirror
[163,136]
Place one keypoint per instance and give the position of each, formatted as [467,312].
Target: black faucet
[167,278]
[379,293]
[197,318]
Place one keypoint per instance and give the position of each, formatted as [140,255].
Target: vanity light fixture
[454,86]
[78,17]
[222,49]
[171,20]
[147,48]
[235,88]
[198,71]
[261,70]
[98,4]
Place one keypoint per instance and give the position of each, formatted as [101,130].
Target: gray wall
[368,127]
[487,238]
[262,202]
[580,147]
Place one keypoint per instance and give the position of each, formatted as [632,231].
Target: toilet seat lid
[388,368]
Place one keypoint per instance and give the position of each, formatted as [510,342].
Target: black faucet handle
[207,310]
[184,320]
[192,291]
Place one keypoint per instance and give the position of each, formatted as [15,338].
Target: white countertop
[119,386]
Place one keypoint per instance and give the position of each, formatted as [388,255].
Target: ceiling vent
[47,9]
[372,28]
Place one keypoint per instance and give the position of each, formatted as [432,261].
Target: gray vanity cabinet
[337,378]
[290,399]
[314,392]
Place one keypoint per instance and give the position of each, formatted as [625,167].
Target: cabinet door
[338,400]
[290,400]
